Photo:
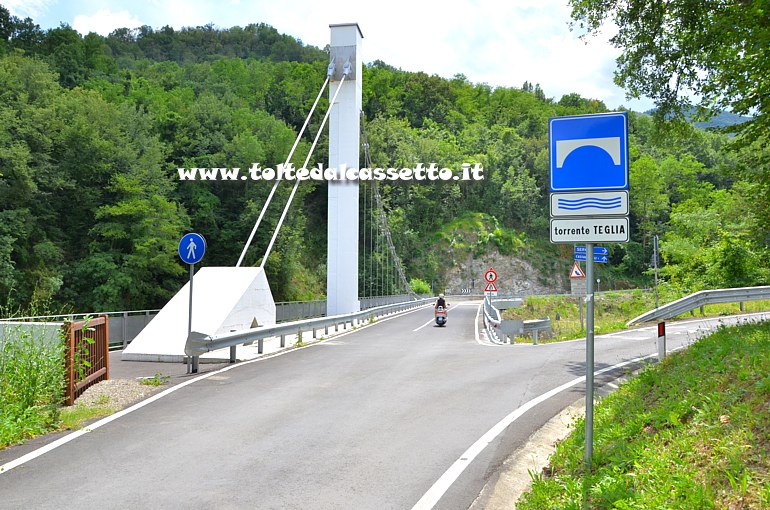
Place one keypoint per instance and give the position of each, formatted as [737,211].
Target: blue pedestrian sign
[192,247]
[589,152]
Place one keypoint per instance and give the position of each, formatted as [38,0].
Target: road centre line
[418,329]
[8,466]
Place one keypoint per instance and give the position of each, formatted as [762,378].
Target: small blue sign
[192,247]
[598,250]
[589,152]
[597,258]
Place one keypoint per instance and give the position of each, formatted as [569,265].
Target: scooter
[440,314]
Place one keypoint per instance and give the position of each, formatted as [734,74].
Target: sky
[500,43]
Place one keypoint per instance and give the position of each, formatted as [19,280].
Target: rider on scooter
[441,302]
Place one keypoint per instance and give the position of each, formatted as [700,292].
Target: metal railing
[200,343]
[126,325]
[701,299]
[123,325]
[297,310]
[87,360]
[286,311]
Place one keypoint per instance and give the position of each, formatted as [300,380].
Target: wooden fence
[87,355]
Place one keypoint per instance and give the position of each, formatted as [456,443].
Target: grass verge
[74,417]
[690,433]
[612,311]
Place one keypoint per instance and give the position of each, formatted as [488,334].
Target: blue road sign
[589,152]
[598,250]
[597,258]
[192,247]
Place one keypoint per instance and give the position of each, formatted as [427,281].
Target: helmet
[441,296]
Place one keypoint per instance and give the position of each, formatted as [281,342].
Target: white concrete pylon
[224,299]
[344,147]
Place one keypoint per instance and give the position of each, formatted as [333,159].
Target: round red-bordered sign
[490,276]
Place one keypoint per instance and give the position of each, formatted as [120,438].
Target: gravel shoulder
[116,394]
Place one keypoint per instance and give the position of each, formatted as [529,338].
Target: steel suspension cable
[304,165]
[278,181]
[383,218]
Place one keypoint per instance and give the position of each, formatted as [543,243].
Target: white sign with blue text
[589,178]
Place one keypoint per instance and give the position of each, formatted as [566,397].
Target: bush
[419,286]
[31,385]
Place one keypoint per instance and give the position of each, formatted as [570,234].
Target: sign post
[191,249]
[655,264]
[589,204]
[589,447]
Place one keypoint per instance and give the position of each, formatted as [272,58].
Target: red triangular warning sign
[576,271]
[491,287]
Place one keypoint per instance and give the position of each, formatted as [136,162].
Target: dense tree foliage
[93,130]
[715,50]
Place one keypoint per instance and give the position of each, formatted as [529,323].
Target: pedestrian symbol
[192,247]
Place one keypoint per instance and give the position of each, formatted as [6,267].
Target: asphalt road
[368,420]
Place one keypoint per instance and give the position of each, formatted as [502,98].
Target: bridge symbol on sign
[589,152]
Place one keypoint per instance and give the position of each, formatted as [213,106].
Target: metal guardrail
[201,343]
[702,298]
[497,327]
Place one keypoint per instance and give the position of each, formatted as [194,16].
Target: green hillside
[94,129]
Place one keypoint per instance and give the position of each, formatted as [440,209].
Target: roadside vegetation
[32,382]
[612,311]
[31,385]
[692,432]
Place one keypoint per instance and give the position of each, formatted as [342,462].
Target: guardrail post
[534,337]
[283,340]
[326,330]
[314,337]
[702,310]
[741,305]
[232,353]
[260,345]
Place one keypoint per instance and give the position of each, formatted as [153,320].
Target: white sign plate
[589,230]
[597,203]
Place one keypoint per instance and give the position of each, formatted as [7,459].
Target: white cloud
[104,22]
[27,8]
[498,43]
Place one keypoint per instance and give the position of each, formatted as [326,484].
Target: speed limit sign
[490,276]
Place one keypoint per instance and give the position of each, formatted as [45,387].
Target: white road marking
[437,491]
[429,322]
[74,435]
